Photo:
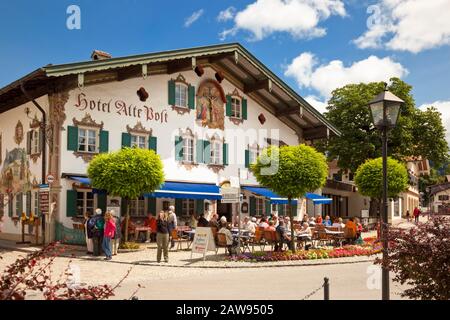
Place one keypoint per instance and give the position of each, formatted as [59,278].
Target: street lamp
[385,108]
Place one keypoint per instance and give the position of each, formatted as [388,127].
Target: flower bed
[367,249]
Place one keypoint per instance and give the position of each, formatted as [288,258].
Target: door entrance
[225,209]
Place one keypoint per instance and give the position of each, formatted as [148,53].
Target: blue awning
[184,190]
[265,192]
[318,199]
[82,180]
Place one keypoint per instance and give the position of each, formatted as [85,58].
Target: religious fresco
[15,174]
[210,105]
[18,133]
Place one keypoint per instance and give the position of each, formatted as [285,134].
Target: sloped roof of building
[238,65]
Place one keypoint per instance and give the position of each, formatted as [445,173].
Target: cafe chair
[179,240]
[258,239]
[221,242]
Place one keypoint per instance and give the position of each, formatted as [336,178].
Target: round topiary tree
[369,178]
[291,171]
[127,173]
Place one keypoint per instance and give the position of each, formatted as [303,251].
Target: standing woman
[88,234]
[117,235]
[162,236]
[109,232]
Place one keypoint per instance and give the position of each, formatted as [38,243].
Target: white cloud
[193,17]
[407,25]
[300,18]
[444,108]
[226,14]
[324,78]
[320,106]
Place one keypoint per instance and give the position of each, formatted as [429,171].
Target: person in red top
[319,219]
[108,234]
[151,222]
[416,214]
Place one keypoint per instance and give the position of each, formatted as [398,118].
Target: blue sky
[414,40]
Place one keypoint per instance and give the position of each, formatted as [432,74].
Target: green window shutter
[247,158]
[199,151]
[206,151]
[104,141]
[178,207]
[252,206]
[153,144]
[41,140]
[228,107]
[151,205]
[72,138]
[281,209]
[199,206]
[191,99]
[126,139]
[244,109]
[71,203]
[10,207]
[267,207]
[171,92]
[28,203]
[225,154]
[101,200]
[29,138]
[178,148]
[19,209]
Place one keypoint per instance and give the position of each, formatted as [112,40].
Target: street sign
[50,179]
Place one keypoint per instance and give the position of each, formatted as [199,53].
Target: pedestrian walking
[117,235]
[108,234]
[408,216]
[88,234]
[162,236]
[173,223]
[416,214]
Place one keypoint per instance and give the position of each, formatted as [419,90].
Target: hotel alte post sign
[121,108]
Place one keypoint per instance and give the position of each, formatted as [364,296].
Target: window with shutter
[126,140]
[178,148]
[72,138]
[199,151]
[153,144]
[225,154]
[104,141]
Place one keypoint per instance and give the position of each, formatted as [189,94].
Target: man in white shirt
[172,224]
[231,243]
[248,225]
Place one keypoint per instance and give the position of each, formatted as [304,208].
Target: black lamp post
[385,108]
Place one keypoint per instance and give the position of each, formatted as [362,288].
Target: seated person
[271,226]
[151,223]
[312,221]
[359,228]
[202,222]
[305,218]
[249,225]
[231,243]
[284,237]
[306,230]
[131,227]
[287,223]
[263,223]
[214,221]
[338,223]
[327,221]
[275,221]
[193,221]
[319,219]
[351,228]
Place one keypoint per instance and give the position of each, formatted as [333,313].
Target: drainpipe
[44,147]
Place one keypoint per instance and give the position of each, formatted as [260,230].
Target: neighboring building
[207,112]
[440,198]
[348,202]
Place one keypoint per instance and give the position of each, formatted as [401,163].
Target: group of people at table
[161,228]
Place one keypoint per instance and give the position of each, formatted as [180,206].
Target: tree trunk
[127,218]
[291,216]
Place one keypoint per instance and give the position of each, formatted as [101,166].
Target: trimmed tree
[127,173]
[369,178]
[291,171]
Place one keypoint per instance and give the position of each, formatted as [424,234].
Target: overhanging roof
[239,66]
